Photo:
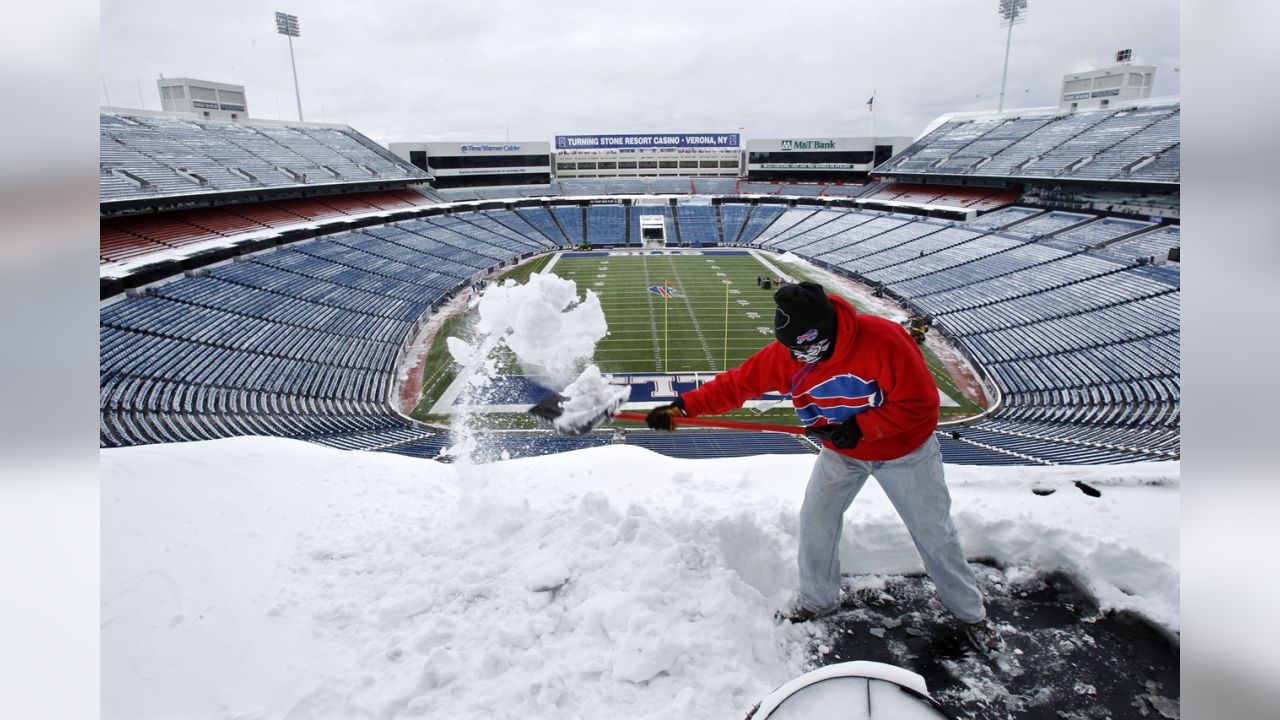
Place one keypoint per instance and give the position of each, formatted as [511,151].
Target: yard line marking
[653,322]
[702,340]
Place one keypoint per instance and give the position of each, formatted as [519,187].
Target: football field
[672,313]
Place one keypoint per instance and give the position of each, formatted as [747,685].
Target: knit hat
[804,318]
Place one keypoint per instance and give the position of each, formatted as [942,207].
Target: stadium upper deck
[146,156]
[1134,144]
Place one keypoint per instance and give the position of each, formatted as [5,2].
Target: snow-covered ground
[267,578]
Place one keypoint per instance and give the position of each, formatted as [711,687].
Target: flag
[870,100]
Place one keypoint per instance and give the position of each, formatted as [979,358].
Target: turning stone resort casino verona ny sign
[671,140]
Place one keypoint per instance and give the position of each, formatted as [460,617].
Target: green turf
[684,334]
[521,273]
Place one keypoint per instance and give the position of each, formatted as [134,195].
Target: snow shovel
[552,407]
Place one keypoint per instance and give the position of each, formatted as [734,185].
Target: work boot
[984,637]
[801,614]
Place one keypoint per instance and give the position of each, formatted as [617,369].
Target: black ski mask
[805,321]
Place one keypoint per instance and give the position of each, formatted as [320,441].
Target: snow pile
[267,578]
[257,577]
[549,329]
[1122,545]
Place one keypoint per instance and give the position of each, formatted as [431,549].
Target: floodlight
[287,25]
[1012,12]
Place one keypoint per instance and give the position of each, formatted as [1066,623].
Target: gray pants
[914,484]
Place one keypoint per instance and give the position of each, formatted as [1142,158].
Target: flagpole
[871,105]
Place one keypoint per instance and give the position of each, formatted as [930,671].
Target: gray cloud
[422,70]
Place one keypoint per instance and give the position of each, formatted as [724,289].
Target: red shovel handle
[677,421]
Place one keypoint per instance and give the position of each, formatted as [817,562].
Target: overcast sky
[402,70]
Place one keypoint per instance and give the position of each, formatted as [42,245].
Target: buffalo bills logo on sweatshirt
[837,399]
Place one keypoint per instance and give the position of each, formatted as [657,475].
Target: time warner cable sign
[482,148]
[677,140]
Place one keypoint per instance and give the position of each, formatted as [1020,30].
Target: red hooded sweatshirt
[876,373]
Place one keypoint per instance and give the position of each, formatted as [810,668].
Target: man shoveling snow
[860,383]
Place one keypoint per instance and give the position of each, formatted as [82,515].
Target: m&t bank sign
[808,145]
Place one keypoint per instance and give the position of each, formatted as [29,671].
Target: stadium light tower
[1012,12]
[287,25]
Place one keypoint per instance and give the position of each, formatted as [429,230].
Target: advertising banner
[807,166]
[668,140]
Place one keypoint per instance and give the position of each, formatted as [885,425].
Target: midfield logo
[665,291]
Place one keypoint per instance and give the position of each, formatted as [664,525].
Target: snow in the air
[552,333]
[550,329]
[269,578]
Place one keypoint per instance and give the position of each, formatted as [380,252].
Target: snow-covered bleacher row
[135,236]
[1135,144]
[609,225]
[144,155]
[299,341]
[1084,345]
[697,225]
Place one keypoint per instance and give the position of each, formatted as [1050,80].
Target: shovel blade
[551,408]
